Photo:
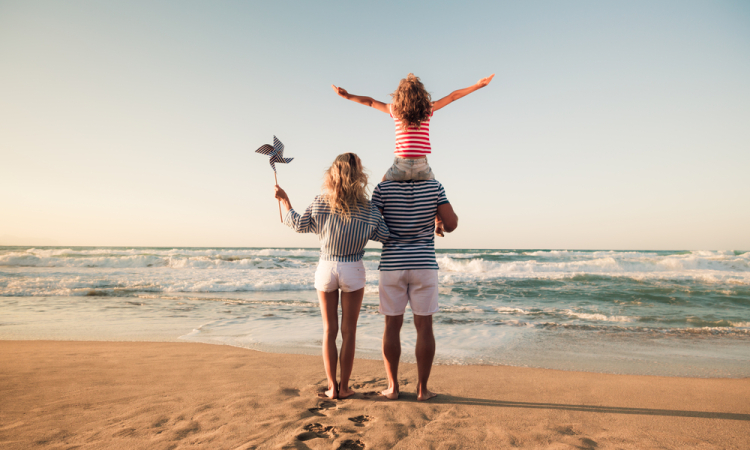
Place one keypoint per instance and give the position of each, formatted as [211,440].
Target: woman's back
[342,238]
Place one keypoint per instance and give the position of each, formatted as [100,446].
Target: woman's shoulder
[320,204]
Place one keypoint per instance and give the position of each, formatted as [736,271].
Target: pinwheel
[276,155]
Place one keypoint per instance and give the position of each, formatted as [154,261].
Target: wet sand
[88,395]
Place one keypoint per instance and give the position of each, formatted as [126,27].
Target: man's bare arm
[448,216]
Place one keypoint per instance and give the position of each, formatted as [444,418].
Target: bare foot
[424,394]
[346,393]
[390,393]
[332,393]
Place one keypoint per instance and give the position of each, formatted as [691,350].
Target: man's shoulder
[408,185]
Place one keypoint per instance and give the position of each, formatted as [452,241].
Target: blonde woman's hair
[412,103]
[345,185]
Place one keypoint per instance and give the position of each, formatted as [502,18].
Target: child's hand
[341,91]
[485,81]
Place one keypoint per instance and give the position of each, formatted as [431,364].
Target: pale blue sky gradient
[609,125]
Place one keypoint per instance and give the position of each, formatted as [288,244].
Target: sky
[608,125]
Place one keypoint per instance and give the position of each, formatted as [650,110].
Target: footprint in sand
[359,421]
[351,445]
[323,406]
[370,394]
[316,430]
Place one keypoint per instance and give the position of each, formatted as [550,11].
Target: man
[408,271]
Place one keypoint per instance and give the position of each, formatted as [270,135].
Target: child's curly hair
[345,185]
[412,103]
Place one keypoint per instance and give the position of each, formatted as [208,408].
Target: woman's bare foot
[390,393]
[332,393]
[424,394]
[346,393]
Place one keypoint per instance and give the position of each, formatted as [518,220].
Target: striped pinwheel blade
[266,149]
[278,159]
[278,146]
[275,153]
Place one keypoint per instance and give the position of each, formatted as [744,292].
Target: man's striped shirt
[409,208]
[340,240]
[412,142]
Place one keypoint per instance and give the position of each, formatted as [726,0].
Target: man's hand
[439,228]
[485,81]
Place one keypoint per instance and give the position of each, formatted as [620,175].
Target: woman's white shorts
[347,276]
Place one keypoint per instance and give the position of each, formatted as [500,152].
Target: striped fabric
[340,240]
[412,142]
[409,208]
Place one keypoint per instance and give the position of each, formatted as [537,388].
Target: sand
[178,395]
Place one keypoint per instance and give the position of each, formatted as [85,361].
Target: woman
[344,220]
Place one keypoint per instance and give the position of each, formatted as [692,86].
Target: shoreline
[191,395]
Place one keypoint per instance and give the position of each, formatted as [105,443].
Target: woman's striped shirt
[340,240]
[413,142]
[409,208]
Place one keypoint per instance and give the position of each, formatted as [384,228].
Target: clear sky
[609,125]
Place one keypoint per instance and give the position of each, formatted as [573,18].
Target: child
[411,110]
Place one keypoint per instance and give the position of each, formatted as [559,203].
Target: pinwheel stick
[276,155]
[277,183]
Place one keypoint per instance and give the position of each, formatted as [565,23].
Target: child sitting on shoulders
[411,110]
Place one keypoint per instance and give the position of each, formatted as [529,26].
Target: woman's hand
[279,193]
[341,91]
[485,81]
[282,197]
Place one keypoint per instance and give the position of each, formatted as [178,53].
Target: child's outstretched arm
[455,95]
[362,100]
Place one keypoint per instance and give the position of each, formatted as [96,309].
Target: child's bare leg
[439,229]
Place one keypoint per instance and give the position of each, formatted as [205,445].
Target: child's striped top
[413,142]
[340,240]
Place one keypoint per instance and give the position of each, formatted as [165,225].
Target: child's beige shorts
[404,169]
[333,275]
[417,287]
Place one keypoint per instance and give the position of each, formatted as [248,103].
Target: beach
[665,313]
[162,395]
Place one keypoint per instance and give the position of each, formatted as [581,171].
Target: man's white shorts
[333,275]
[417,287]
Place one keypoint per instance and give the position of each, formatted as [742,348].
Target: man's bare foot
[390,393]
[332,393]
[424,394]
[346,393]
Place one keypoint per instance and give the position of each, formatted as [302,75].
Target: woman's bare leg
[329,309]
[351,303]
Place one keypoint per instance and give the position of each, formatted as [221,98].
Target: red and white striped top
[413,142]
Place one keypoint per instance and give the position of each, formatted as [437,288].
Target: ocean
[668,313]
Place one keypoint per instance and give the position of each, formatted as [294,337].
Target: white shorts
[417,287]
[333,275]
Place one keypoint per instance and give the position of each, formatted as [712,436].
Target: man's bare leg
[425,353]
[351,302]
[392,353]
[329,309]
